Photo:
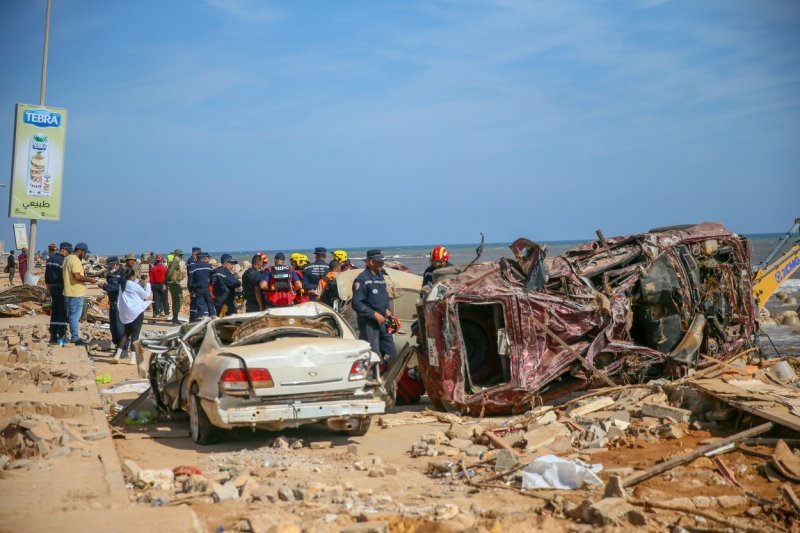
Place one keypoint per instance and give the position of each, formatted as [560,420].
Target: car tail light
[234,380]
[359,370]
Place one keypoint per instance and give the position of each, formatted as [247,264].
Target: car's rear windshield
[240,332]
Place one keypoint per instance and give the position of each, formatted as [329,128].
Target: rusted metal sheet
[496,335]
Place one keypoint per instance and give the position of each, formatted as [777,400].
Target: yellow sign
[37,168]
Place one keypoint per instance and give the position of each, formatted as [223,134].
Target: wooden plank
[694,454]
[776,411]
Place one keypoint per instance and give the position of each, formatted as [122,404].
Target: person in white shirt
[132,302]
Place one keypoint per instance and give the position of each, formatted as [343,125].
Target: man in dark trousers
[225,285]
[111,287]
[158,283]
[254,285]
[54,280]
[174,277]
[315,272]
[371,304]
[199,281]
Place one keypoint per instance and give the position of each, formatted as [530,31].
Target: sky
[246,124]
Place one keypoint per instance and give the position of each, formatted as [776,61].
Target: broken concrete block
[672,431]
[545,435]
[614,488]
[130,470]
[281,442]
[459,431]
[321,445]
[666,411]
[730,501]
[159,479]
[591,406]
[609,511]
[226,492]
[435,438]
[286,494]
[459,443]
[506,459]
[476,450]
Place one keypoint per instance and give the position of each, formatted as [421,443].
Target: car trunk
[304,365]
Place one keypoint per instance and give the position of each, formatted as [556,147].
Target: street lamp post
[42,89]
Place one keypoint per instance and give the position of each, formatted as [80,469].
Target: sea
[416,257]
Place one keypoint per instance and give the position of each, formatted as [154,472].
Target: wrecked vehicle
[279,368]
[497,337]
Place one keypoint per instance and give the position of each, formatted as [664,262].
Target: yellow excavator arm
[772,273]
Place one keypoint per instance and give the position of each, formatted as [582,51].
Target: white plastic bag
[551,472]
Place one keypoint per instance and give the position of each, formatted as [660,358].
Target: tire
[361,428]
[200,427]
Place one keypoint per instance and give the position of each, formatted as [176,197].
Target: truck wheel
[360,428]
[203,432]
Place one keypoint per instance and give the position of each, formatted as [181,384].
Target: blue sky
[247,124]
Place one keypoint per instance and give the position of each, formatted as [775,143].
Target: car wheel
[360,428]
[200,427]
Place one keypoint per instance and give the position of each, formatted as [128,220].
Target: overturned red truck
[495,338]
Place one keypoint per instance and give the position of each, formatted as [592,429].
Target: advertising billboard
[37,164]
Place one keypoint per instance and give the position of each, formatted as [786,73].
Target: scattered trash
[138,386]
[551,472]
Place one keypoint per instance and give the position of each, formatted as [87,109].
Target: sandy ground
[368,483]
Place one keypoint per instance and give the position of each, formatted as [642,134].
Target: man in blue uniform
[54,280]
[225,283]
[192,263]
[254,285]
[371,304]
[111,287]
[193,258]
[199,280]
[315,272]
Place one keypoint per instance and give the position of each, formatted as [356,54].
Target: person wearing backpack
[175,275]
[282,283]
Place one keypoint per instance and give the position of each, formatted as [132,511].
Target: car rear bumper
[292,414]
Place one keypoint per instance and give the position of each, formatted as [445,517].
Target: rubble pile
[591,458]
[26,440]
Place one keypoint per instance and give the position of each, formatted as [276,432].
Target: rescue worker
[199,282]
[111,287]
[439,259]
[54,280]
[193,258]
[341,256]
[158,284]
[300,262]
[190,266]
[254,286]
[371,304]
[315,271]
[282,283]
[328,289]
[225,285]
[174,277]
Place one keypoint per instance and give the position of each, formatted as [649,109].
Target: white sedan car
[280,368]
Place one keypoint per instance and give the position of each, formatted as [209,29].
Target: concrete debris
[666,411]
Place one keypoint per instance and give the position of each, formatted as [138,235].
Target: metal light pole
[42,89]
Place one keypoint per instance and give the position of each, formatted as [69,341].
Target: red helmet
[440,254]
[392,325]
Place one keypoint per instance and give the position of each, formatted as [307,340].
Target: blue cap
[111,260]
[376,255]
[203,255]
[82,246]
[280,255]
[228,258]
[320,250]
[195,249]
[66,245]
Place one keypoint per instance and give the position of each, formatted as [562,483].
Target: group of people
[213,291]
[66,282]
[15,263]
